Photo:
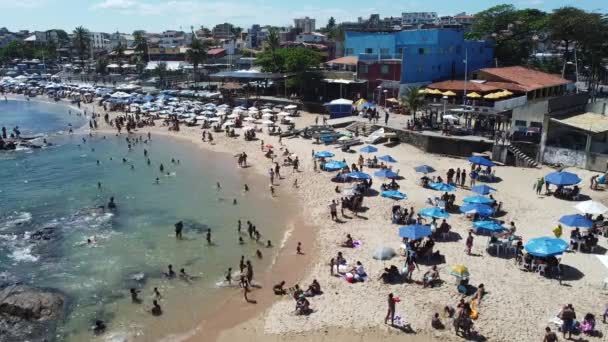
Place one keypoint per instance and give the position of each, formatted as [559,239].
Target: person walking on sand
[333,210]
[391,309]
[299,249]
[463,178]
[469,243]
[539,185]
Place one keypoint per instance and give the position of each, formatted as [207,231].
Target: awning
[588,122]
[342,81]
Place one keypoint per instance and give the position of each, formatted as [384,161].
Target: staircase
[521,158]
[363,128]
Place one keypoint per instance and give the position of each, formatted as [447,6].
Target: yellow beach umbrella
[433,91]
[506,93]
[459,271]
[423,91]
[473,96]
[449,93]
[490,96]
[360,102]
[344,138]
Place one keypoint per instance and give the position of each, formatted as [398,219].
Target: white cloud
[23,4]
[116,4]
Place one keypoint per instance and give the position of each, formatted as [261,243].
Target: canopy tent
[339,108]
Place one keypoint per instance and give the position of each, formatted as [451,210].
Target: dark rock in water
[46,234]
[28,313]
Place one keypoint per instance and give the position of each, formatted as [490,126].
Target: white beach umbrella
[289,118]
[591,207]
[201,117]
[267,115]
[228,124]
[283,114]
[291,107]
[253,109]
[214,119]
[233,116]
[249,119]
[267,122]
[266,110]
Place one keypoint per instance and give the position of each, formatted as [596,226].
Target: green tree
[101,66]
[413,100]
[119,51]
[301,63]
[567,24]
[140,44]
[273,42]
[197,54]
[161,72]
[331,24]
[82,39]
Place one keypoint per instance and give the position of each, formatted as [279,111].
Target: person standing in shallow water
[179,226]
[209,236]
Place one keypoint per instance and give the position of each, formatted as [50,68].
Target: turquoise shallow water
[56,188]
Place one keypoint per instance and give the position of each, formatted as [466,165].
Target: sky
[158,15]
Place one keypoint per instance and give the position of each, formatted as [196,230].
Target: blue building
[426,55]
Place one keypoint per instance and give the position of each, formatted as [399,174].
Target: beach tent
[434,212]
[479,160]
[424,169]
[384,253]
[358,175]
[591,207]
[394,194]
[546,246]
[576,220]
[368,149]
[386,173]
[388,159]
[479,209]
[562,178]
[415,232]
[339,108]
[324,154]
[478,200]
[442,187]
[482,189]
[489,225]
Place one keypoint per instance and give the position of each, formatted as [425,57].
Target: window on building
[400,51]
[536,124]
[363,69]
[349,51]
[384,51]
[521,123]
[421,51]
[384,69]
[369,50]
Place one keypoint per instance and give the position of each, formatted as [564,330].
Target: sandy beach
[517,307]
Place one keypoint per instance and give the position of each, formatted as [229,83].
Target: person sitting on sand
[436,322]
[156,309]
[479,293]
[314,289]
[588,325]
[430,276]
[302,305]
[349,243]
[278,289]
[358,272]
[297,291]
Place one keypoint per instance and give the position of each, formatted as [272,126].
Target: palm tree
[273,42]
[197,54]
[82,40]
[140,44]
[160,71]
[413,100]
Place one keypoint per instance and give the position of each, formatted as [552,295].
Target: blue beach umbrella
[358,175]
[386,173]
[482,189]
[442,187]
[434,212]
[576,220]
[562,178]
[415,232]
[324,154]
[546,246]
[394,194]
[478,160]
[368,149]
[478,200]
[489,225]
[480,209]
[424,169]
[388,159]
[334,165]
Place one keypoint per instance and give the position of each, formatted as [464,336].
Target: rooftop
[476,86]
[589,122]
[348,60]
[527,78]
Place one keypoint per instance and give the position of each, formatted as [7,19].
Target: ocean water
[51,205]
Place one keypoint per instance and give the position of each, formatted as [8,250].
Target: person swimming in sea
[258,253]
[229,276]
[148,162]
[145,152]
[269,244]
[234,202]
[156,309]
[246,187]
[157,180]
[238,228]
[241,242]
[132,167]
[124,160]
[97,161]
[218,186]
[162,167]
[170,273]
[111,204]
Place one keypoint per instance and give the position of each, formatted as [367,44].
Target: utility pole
[466,71]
